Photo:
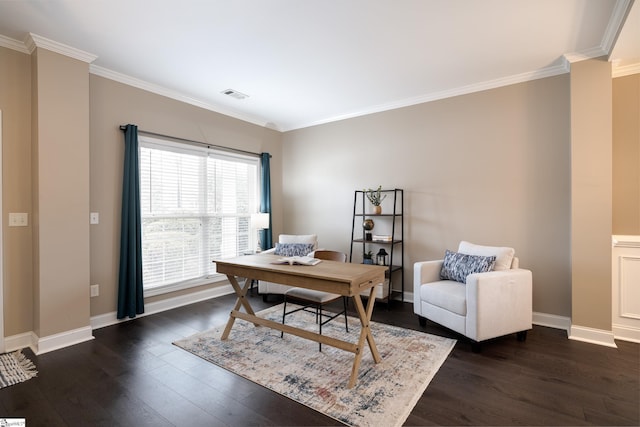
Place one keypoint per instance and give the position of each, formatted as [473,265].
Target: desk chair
[316,299]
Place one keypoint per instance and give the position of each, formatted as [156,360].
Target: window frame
[200,149]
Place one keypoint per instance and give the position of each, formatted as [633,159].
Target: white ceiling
[306,62]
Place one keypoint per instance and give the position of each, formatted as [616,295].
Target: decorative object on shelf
[367,257]
[382,238]
[375,197]
[367,224]
[381,257]
[259,221]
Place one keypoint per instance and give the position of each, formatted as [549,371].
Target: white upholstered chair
[485,304]
[264,287]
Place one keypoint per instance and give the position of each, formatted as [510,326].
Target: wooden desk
[330,276]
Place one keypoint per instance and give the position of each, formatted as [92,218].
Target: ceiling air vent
[234,93]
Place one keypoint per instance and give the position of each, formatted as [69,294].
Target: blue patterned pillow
[293,249]
[457,266]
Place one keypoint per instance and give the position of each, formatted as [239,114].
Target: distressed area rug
[15,368]
[384,394]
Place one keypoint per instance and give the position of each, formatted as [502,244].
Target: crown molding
[33,40]
[572,57]
[625,70]
[169,93]
[616,70]
[10,43]
[619,13]
[435,96]
[618,16]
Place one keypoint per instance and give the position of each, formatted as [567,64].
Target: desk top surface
[260,266]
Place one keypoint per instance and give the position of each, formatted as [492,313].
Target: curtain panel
[266,236]
[130,293]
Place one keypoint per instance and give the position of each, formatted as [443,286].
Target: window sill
[174,287]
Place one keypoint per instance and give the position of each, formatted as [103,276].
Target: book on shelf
[297,260]
[382,237]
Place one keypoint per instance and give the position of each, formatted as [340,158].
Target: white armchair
[264,287]
[487,305]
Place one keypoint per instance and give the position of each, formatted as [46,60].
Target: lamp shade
[260,220]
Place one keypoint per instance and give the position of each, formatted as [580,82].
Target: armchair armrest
[424,272]
[498,303]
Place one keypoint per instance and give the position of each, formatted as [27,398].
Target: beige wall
[591,193]
[626,155]
[15,103]
[60,193]
[490,167]
[114,104]
[59,178]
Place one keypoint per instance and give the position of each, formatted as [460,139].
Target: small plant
[367,255]
[375,196]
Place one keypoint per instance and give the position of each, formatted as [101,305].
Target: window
[196,205]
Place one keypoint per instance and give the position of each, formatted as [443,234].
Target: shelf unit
[391,222]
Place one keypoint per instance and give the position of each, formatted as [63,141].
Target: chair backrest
[504,255]
[331,255]
[299,238]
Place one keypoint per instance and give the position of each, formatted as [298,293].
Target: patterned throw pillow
[457,266]
[293,249]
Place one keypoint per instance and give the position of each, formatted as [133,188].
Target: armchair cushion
[446,294]
[293,249]
[504,255]
[457,266]
[298,238]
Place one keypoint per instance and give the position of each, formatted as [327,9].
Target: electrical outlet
[95,290]
[18,219]
[94,218]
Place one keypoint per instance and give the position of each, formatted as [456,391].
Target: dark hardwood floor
[131,375]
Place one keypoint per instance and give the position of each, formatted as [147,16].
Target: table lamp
[260,221]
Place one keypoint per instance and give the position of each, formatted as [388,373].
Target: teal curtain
[130,297]
[266,237]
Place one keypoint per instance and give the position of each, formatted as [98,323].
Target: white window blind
[196,205]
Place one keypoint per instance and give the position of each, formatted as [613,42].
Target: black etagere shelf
[391,221]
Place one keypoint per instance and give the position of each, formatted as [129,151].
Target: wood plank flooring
[131,375]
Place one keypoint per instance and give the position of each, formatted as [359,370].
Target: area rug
[384,394]
[15,368]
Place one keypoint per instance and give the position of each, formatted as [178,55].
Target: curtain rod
[190,141]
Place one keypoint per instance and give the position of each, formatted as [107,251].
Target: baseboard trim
[20,341]
[552,321]
[626,333]
[63,339]
[108,319]
[408,296]
[76,336]
[592,336]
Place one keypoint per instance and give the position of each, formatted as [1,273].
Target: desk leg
[365,333]
[241,301]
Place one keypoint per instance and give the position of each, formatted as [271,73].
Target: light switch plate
[94,218]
